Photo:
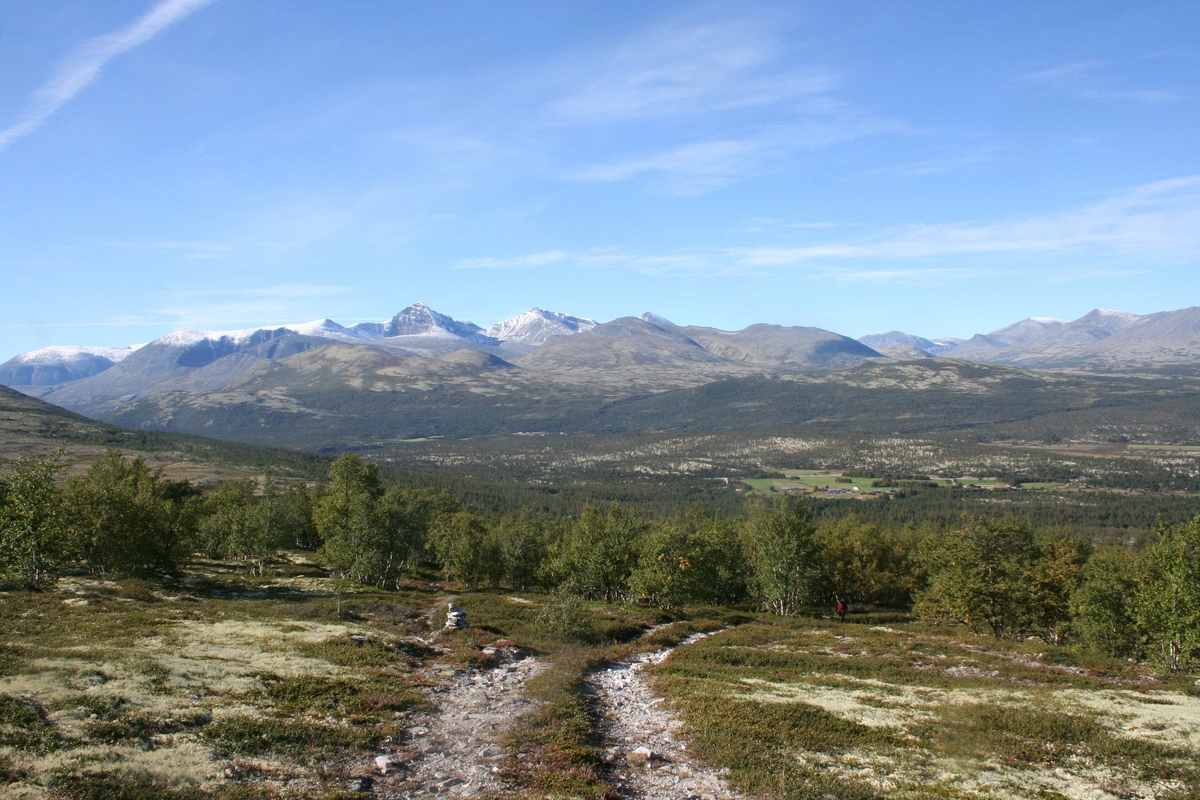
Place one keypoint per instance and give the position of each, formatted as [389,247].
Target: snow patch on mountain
[325,328]
[60,354]
[536,326]
[655,319]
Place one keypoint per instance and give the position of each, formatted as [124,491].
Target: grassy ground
[219,684]
[889,708]
[216,684]
[213,682]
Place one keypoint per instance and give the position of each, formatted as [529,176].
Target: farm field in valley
[849,485]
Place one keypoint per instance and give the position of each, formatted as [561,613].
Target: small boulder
[387,762]
[641,756]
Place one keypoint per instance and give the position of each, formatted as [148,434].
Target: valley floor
[219,684]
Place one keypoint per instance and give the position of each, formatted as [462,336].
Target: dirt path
[451,750]
[648,759]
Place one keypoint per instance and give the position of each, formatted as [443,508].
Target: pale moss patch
[230,656]
[874,703]
[1165,717]
[917,774]
[179,760]
[1169,717]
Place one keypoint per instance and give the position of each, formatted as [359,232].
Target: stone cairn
[456,618]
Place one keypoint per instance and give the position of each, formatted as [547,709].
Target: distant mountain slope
[877,341]
[1155,340]
[899,344]
[776,347]
[550,353]
[29,426]
[1027,330]
[1070,341]
[52,365]
[986,347]
[337,397]
[627,351]
[340,396]
[177,361]
[1101,339]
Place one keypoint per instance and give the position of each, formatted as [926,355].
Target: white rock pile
[456,618]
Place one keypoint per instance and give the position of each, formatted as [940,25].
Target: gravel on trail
[646,757]
[451,750]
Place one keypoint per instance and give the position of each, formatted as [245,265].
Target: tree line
[995,574]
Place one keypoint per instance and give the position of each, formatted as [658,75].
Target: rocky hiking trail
[451,750]
[646,757]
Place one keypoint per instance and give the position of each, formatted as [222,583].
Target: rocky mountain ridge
[548,353]
[1102,340]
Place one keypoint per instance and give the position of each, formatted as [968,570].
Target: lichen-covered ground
[217,684]
[798,707]
[196,685]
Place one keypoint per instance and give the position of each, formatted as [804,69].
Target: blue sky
[941,168]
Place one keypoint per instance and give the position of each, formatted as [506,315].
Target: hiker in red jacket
[842,608]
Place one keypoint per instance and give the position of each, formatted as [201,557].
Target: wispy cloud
[687,68]
[1156,223]
[698,166]
[84,66]
[1159,220]
[937,166]
[278,304]
[1093,80]
[720,100]
[189,249]
[532,260]
[218,308]
[1059,73]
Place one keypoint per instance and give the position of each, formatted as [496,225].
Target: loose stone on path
[646,757]
[451,750]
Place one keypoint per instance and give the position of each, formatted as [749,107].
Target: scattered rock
[388,762]
[646,757]
[452,749]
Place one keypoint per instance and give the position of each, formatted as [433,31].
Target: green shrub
[562,617]
[138,786]
[256,736]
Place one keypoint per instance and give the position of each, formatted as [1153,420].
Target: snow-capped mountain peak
[655,319]
[420,320]
[535,326]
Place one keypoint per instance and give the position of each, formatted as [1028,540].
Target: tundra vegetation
[260,639]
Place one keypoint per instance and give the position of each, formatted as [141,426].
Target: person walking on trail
[842,608]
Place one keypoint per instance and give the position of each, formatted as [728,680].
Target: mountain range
[643,353]
[419,369]
[1101,340]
